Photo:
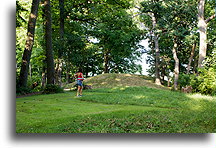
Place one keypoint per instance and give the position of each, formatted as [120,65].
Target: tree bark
[58,71]
[44,76]
[67,72]
[61,33]
[106,62]
[157,51]
[191,58]
[176,70]
[29,44]
[202,26]
[48,39]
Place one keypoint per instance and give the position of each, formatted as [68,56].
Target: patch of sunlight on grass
[128,75]
[90,78]
[118,79]
[139,97]
[196,107]
[200,96]
[115,88]
[199,102]
[122,88]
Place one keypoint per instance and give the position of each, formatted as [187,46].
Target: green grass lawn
[117,110]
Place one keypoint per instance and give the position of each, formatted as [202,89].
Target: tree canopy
[103,36]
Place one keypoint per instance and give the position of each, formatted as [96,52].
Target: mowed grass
[117,110]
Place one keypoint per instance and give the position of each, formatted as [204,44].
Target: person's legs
[81,90]
[80,87]
[78,90]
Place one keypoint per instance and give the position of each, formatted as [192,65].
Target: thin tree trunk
[176,70]
[67,73]
[191,57]
[87,69]
[169,80]
[29,44]
[106,62]
[48,39]
[195,65]
[30,72]
[163,74]
[58,71]
[157,51]
[44,77]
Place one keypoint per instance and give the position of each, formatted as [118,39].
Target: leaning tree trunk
[176,70]
[29,44]
[191,58]
[48,39]
[157,51]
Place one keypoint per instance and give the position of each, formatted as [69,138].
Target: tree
[191,57]
[202,28]
[176,69]
[153,9]
[60,50]
[48,40]
[157,51]
[22,82]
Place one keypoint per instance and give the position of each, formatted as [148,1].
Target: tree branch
[137,7]
[210,18]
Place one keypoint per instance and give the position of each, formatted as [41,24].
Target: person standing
[80,78]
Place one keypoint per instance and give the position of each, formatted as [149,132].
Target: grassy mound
[117,110]
[118,80]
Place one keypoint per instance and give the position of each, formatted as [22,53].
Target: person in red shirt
[80,78]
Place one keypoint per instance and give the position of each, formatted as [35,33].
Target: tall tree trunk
[191,57]
[157,51]
[61,32]
[176,70]
[48,39]
[202,26]
[29,44]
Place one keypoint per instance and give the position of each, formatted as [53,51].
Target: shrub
[204,82]
[184,80]
[207,81]
[23,90]
[51,88]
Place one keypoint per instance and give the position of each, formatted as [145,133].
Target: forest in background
[55,38]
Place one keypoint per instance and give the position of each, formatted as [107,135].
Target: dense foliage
[203,82]
[103,36]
